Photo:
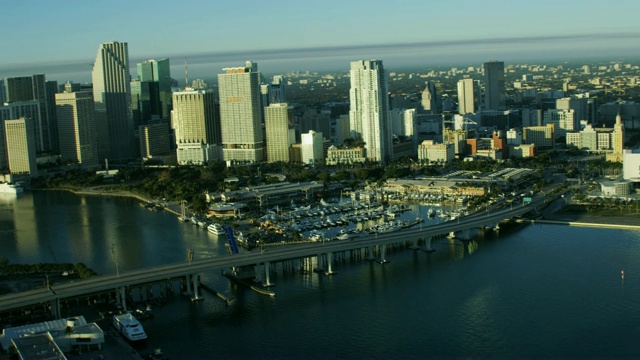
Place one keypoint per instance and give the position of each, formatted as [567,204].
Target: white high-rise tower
[240,114]
[466,97]
[369,109]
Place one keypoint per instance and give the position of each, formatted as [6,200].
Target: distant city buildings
[369,109]
[432,152]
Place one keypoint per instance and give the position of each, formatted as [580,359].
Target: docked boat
[216,229]
[10,188]
[129,327]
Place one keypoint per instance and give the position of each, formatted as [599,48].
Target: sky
[61,38]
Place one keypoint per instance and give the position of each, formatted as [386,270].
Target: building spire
[618,117]
[186,74]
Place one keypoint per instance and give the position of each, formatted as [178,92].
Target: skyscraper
[157,71]
[369,109]
[278,90]
[77,128]
[280,132]
[466,96]
[494,96]
[28,88]
[197,129]
[21,147]
[112,96]
[242,138]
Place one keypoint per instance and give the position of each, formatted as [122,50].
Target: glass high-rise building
[494,90]
[112,96]
[369,109]
[240,114]
[158,72]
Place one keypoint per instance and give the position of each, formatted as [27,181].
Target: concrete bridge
[261,261]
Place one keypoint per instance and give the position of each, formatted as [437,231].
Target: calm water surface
[533,291]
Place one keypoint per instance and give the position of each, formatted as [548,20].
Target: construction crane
[465,121]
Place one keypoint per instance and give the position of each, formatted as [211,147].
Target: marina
[496,281]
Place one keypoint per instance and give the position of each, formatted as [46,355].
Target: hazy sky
[60,38]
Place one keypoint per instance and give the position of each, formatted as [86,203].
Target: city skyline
[287,36]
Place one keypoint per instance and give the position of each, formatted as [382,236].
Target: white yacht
[216,229]
[129,327]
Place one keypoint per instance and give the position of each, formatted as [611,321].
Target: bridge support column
[465,234]
[370,254]
[383,253]
[452,235]
[329,264]
[496,227]
[121,296]
[188,283]
[267,274]
[427,244]
[196,279]
[55,308]
[414,244]
[318,263]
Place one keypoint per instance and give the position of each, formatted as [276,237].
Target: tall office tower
[158,72]
[429,98]
[77,128]
[112,97]
[311,148]
[466,96]
[29,110]
[3,94]
[242,138]
[51,88]
[369,109]
[278,90]
[342,131]
[197,129]
[494,85]
[21,147]
[27,88]
[278,121]
[145,102]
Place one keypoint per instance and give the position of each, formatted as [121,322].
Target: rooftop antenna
[186,74]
